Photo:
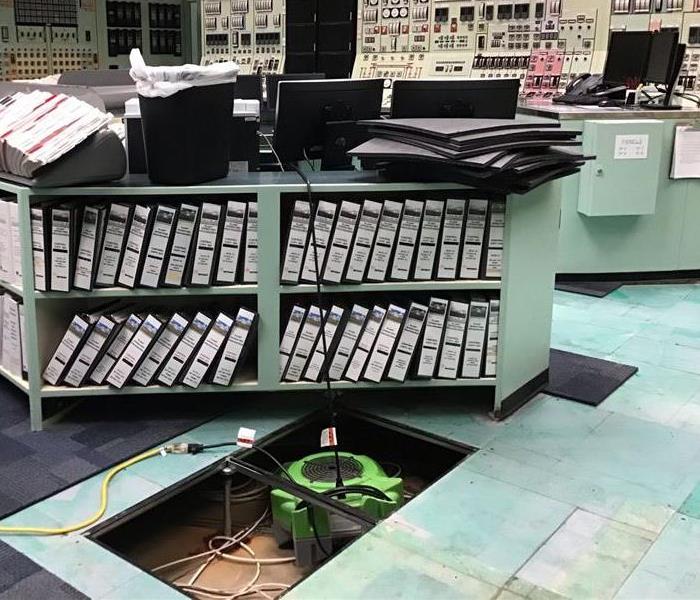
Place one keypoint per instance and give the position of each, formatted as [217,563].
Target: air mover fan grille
[323,468]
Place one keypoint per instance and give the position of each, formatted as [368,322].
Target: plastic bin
[186,135]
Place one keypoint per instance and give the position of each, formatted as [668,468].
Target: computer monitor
[317,119]
[455,98]
[628,58]
[662,57]
[272,81]
[248,87]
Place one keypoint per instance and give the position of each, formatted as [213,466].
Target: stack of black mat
[503,155]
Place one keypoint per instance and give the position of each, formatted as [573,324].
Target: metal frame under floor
[562,500]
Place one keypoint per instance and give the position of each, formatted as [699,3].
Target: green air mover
[377,494]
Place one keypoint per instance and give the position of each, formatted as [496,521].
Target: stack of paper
[37,128]
[504,155]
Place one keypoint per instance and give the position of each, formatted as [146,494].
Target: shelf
[229,290]
[11,287]
[409,383]
[50,391]
[396,286]
[14,380]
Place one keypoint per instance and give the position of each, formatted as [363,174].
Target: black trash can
[186,135]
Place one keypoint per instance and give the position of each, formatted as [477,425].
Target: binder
[6,262]
[184,349]
[310,331]
[23,340]
[473,238]
[115,348]
[432,338]
[91,234]
[406,346]
[66,351]
[364,238]
[428,241]
[407,239]
[453,340]
[208,352]
[16,244]
[92,350]
[164,344]
[11,336]
[250,261]
[384,346]
[207,242]
[331,330]
[135,351]
[118,221]
[158,246]
[289,338]
[342,239]
[237,344]
[493,266]
[476,334]
[384,242]
[40,248]
[297,239]
[323,228]
[491,362]
[182,245]
[134,250]
[364,345]
[346,346]
[231,239]
[62,233]
[451,239]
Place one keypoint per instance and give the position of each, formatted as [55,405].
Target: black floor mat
[597,289]
[583,378]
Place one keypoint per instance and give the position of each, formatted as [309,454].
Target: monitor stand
[339,137]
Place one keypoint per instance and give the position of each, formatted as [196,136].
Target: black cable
[312,521]
[197,448]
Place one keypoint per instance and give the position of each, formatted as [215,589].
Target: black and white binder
[289,338]
[332,330]
[384,242]
[6,262]
[206,245]
[115,348]
[428,240]
[453,340]
[11,336]
[161,349]
[386,341]
[250,260]
[323,228]
[432,338]
[158,246]
[41,242]
[346,346]
[181,246]
[67,349]
[135,351]
[236,348]
[208,351]
[451,239]
[340,245]
[231,240]
[134,249]
[476,334]
[408,341]
[364,238]
[491,362]
[365,344]
[493,266]
[91,233]
[184,350]
[297,240]
[407,240]
[91,352]
[306,342]
[473,238]
[23,340]
[62,237]
[16,241]
[118,221]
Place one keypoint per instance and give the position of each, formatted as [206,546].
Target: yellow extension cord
[94,518]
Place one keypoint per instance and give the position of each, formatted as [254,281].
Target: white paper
[348,341]
[453,340]
[38,250]
[16,244]
[429,236]
[115,348]
[330,330]
[491,363]
[134,246]
[364,346]
[182,243]
[686,153]
[87,247]
[231,242]
[362,246]
[6,262]
[63,354]
[451,239]
[323,227]
[386,340]
[305,344]
[60,249]
[296,242]
[474,344]
[134,351]
[289,338]
[250,263]
[184,349]
[235,345]
[474,238]
[384,243]
[340,245]
[407,239]
[208,351]
[89,352]
[160,350]
[112,245]
[631,147]
[406,346]
[158,246]
[203,260]
[432,338]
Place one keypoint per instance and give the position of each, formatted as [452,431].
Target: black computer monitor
[317,119]
[248,87]
[662,57]
[456,98]
[628,58]
[273,81]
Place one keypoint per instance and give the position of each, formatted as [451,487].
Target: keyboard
[579,99]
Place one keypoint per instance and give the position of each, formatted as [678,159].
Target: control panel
[544,43]
[251,32]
